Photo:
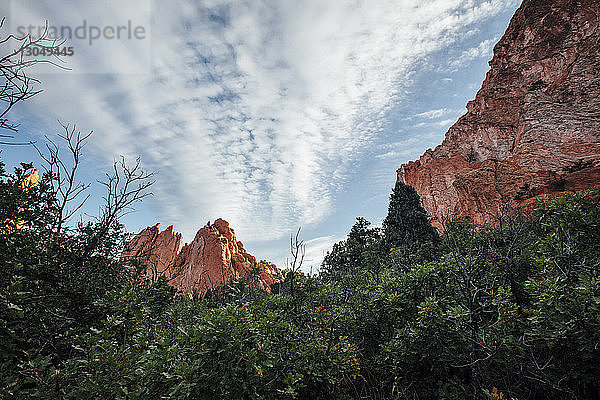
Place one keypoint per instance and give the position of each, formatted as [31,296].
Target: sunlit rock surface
[214,257]
[534,126]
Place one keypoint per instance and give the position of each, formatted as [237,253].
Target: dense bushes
[509,311]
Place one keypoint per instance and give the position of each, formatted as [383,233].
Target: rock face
[534,126]
[214,257]
[31,180]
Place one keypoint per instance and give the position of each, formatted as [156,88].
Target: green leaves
[360,251]
[511,309]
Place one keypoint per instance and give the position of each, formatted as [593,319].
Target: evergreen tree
[351,254]
[407,227]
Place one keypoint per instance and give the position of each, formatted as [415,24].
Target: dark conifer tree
[351,254]
[407,225]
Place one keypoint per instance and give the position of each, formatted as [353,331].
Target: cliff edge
[534,126]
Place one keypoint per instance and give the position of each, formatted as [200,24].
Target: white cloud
[435,114]
[484,49]
[256,110]
[442,123]
[316,249]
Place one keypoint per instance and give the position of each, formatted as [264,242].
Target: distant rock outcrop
[9,226]
[534,126]
[31,180]
[214,257]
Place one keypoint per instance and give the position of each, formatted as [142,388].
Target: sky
[274,115]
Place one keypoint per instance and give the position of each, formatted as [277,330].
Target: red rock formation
[31,180]
[534,126]
[159,250]
[214,257]
[7,226]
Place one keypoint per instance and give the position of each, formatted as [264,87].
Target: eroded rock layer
[213,258]
[534,126]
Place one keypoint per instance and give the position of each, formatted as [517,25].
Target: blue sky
[271,114]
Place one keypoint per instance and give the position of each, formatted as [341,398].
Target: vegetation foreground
[509,311]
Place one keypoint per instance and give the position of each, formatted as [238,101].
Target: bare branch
[297,253]
[15,83]
[64,184]
[125,186]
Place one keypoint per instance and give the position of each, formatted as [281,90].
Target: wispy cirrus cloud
[483,49]
[434,114]
[316,249]
[442,123]
[257,110]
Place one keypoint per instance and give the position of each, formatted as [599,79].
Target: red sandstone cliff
[8,226]
[211,259]
[31,180]
[534,126]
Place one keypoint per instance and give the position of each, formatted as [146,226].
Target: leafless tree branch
[297,253]
[67,190]
[126,185]
[15,83]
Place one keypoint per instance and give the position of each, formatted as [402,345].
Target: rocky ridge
[213,258]
[533,127]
